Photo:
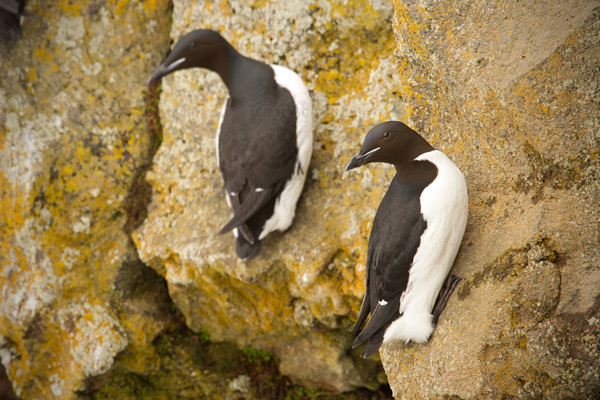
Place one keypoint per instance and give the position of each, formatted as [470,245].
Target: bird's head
[203,48]
[390,142]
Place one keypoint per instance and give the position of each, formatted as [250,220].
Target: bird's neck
[416,172]
[243,76]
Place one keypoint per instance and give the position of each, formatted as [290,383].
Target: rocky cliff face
[298,298]
[512,99]
[73,147]
[72,136]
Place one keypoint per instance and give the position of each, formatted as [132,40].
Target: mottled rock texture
[73,138]
[510,91]
[299,298]
[79,314]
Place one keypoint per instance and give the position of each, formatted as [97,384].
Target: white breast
[444,205]
[285,206]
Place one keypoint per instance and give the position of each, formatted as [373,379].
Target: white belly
[444,205]
[285,206]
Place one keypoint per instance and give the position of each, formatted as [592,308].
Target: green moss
[190,367]
[204,336]
[255,355]
[124,385]
[163,345]
[301,393]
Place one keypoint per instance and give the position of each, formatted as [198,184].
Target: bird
[264,139]
[414,239]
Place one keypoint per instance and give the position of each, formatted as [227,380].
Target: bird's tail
[373,344]
[245,249]
[248,208]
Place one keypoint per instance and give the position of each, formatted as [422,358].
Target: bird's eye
[386,135]
[193,45]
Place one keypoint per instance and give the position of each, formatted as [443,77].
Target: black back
[257,142]
[257,139]
[257,149]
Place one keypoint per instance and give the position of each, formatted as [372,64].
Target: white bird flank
[227,194]
[221,118]
[285,206]
[444,205]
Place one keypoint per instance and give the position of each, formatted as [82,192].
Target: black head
[390,142]
[201,48]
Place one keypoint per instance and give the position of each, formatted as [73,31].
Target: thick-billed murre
[414,240]
[264,139]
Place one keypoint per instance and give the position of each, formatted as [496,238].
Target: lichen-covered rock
[73,138]
[509,91]
[299,298]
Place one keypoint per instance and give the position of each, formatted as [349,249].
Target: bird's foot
[444,295]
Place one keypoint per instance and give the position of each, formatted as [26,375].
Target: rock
[299,298]
[514,102]
[240,384]
[73,138]
[509,97]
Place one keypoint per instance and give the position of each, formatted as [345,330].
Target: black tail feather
[250,206]
[380,319]
[247,250]
[362,315]
[244,230]
[373,344]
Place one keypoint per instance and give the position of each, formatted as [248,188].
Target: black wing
[257,154]
[395,237]
[234,202]
[251,204]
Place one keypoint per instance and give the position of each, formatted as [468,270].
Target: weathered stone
[72,140]
[499,87]
[298,298]
[513,99]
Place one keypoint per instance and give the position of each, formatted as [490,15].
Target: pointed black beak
[165,69]
[356,161]
[360,159]
[159,73]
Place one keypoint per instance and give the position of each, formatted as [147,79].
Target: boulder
[73,140]
[299,298]
[509,91]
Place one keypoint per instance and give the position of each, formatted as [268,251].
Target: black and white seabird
[415,236]
[264,139]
